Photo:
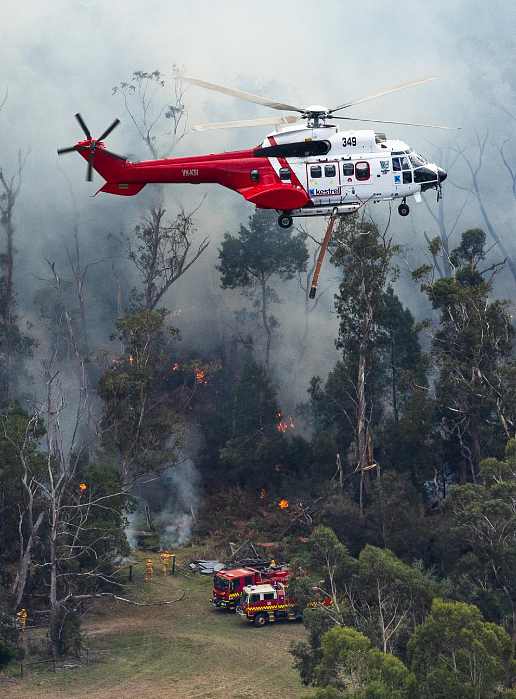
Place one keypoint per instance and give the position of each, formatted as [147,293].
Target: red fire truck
[262,604]
[229,584]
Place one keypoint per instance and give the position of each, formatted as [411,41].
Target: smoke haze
[65,56]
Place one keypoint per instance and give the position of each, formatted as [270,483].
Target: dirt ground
[186,649]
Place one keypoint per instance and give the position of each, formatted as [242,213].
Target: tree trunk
[266,325]
[8,301]
[365,479]
[54,606]
[24,567]
[394,377]
[7,202]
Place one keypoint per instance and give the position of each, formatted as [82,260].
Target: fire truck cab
[262,604]
[228,585]
[266,603]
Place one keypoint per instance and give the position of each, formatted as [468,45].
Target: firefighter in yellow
[23,619]
[149,570]
[165,560]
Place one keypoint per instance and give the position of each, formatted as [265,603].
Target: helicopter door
[323,182]
[401,171]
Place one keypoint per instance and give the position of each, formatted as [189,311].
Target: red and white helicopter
[307,167]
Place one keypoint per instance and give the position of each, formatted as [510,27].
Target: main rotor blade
[89,174]
[62,151]
[109,130]
[403,123]
[382,93]
[247,96]
[83,126]
[247,122]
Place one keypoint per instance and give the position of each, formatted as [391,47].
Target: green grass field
[186,649]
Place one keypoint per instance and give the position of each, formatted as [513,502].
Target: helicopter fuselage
[299,171]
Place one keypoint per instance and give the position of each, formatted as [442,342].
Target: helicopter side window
[284,173]
[315,171]
[407,177]
[255,175]
[362,171]
[348,169]
[396,165]
[329,171]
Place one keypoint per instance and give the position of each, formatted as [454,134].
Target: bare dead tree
[140,99]
[160,249]
[67,510]
[8,197]
[28,526]
[161,252]
[446,230]
[475,189]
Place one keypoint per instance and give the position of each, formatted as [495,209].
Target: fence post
[173,564]
[21,668]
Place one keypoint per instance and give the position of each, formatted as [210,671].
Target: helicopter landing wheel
[285,221]
[403,209]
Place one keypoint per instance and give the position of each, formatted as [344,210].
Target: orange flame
[278,468]
[175,367]
[199,375]
[82,486]
[284,424]
[283,504]
[262,494]
[177,312]
[131,359]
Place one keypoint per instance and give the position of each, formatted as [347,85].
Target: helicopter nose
[442,174]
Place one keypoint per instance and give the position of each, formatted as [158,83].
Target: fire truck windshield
[220,583]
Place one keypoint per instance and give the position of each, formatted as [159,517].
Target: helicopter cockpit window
[405,165]
[407,177]
[315,171]
[396,165]
[348,169]
[255,175]
[362,171]
[329,171]
[416,160]
[284,173]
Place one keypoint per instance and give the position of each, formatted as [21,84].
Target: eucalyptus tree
[259,255]
[472,349]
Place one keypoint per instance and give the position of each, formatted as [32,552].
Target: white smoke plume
[178,516]
[131,532]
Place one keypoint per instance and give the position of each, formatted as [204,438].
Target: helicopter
[306,167]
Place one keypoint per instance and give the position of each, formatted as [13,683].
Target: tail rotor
[93,146]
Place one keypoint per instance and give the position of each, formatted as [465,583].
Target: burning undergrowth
[168,508]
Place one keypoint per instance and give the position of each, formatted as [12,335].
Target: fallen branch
[124,599]
[142,604]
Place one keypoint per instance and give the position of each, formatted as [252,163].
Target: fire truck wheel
[260,620]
